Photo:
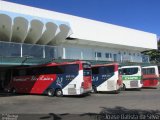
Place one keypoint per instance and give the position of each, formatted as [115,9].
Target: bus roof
[130,66]
[100,65]
[150,66]
[69,62]
[54,64]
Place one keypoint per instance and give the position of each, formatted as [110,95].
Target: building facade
[37,33]
[30,35]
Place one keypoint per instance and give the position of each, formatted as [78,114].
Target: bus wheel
[94,89]
[13,91]
[58,93]
[116,91]
[123,87]
[50,92]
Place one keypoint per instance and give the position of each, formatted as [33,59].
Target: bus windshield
[148,71]
[129,71]
[103,70]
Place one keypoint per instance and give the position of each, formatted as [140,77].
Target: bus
[67,78]
[105,78]
[150,76]
[131,76]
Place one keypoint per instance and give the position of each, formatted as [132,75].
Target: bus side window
[22,72]
[58,70]
[102,70]
[15,72]
[71,69]
[124,71]
[95,70]
[30,71]
[34,71]
[110,70]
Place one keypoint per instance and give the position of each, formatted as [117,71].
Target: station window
[98,54]
[108,55]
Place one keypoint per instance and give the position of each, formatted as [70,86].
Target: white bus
[105,78]
[131,76]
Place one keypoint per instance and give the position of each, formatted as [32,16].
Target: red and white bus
[105,77]
[150,76]
[67,78]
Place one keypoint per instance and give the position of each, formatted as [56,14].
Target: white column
[131,58]
[21,51]
[64,53]
[121,57]
[44,53]
[96,56]
[81,55]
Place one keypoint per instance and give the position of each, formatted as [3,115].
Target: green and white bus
[131,76]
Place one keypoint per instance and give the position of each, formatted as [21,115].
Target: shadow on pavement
[117,113]
[77,96]
[3,94]
[6,94]
[149,88]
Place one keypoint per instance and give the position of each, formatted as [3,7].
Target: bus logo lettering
[131,77]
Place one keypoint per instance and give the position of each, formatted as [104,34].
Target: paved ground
[146,99]
[144,103]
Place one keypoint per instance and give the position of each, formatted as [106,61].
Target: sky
[137,14]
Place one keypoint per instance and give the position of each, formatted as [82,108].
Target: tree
[154,54]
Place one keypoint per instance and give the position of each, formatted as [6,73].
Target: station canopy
[21,28]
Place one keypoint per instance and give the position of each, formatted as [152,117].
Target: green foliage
[154,54]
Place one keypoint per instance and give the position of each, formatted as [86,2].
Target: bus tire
[116,92]
[50,92]
[123,87]
[13,91]
[94,89]
[58,92]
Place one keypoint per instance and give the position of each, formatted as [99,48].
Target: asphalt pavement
[144,101]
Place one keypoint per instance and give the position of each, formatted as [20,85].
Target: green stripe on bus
[131,77]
